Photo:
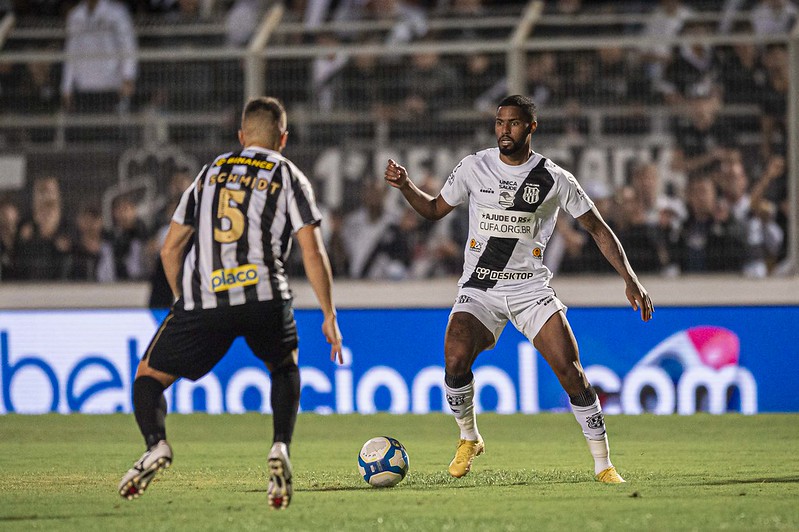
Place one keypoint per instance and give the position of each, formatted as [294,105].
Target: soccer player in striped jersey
[514,196]
[223,257]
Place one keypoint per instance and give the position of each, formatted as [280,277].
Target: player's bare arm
[317,269]
[177,238]
[613,251]
[426,205]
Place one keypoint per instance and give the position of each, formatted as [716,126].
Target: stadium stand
[645,104]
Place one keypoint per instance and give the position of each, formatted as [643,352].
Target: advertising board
[713,359]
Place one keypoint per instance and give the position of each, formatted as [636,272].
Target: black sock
[149,407]
[285,401]
[585,398]
[458,381]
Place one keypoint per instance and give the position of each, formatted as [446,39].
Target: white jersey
[512,213]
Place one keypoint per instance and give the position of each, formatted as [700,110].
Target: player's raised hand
[639,299]
[333,336]
[396,175]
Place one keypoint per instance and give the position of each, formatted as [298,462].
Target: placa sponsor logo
[228,278]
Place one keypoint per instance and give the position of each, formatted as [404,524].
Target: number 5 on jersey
[229,209]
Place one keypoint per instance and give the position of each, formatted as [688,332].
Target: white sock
[592,421]
[461,402]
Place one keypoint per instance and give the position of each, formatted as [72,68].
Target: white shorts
[527,311]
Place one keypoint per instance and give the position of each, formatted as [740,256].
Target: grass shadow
[793,479]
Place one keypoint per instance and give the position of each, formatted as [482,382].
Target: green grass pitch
[701,472]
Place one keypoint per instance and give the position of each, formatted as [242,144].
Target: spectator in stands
[702,140]
[31,88]
[241,21]
[87,244]
[326,83]
[436,249]
[693,72]
[619,78]
[100,66]
[179,181]
[478,73]
[774,101]
[710,239]
[579,82]
[771,17]
[410,20]
[41,8]
[643,242]
[764,236]
[336,244]
[182,85]
[44,243]
[741,74]
[376,247]
[429,85]
[160,292]
[123,255]
[571,249]
[362,80]
[666,21]
[9,234]
[660,209]
[542,83]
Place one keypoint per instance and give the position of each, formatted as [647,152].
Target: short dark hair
[266,105]
[522,102]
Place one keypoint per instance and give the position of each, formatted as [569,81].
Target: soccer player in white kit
[514,195]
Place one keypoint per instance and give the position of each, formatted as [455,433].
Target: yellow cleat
[610,476]
[465,454]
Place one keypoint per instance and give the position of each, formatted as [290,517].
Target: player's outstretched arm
[422,202]
[317,269]
[613,251]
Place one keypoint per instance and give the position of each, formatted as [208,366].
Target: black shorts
[190,343]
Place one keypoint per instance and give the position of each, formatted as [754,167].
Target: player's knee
[457,362]
[287,364]
[570,373]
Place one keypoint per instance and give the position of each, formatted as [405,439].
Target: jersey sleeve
[455,190]
[301,203]
[571,196]
[186,211]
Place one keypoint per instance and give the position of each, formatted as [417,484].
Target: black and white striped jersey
[244,208]
[512,213]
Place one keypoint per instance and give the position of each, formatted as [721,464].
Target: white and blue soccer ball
[383,462]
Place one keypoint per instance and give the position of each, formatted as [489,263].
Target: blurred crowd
[729,214]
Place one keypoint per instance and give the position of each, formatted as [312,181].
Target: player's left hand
[333,336]
[639,299]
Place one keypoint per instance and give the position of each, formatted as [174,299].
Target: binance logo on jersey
[258,163]
[228,278]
